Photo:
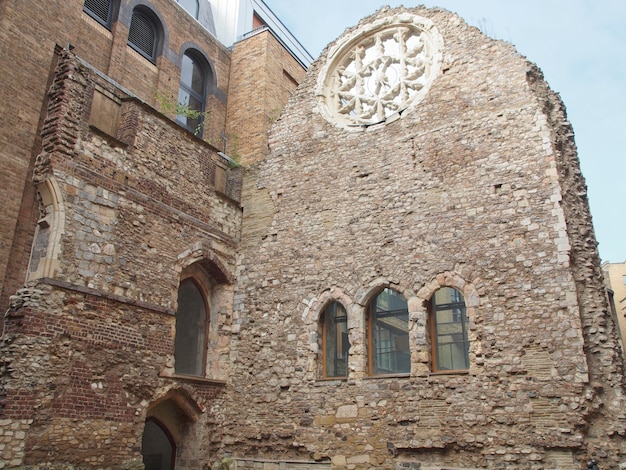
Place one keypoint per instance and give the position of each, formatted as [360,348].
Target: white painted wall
[233,19]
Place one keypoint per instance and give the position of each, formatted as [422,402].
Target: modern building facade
[615,275]
[401,274]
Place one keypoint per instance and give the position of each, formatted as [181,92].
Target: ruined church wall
[122,189]
[88,344]
[29,33]
[465,190]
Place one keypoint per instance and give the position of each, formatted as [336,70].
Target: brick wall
[30,31]
[263,76]
[88,345]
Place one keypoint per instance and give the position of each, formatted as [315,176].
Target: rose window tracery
[379,73]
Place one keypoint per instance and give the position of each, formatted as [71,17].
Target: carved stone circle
[380,70]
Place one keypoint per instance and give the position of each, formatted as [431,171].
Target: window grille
[100,10]
[143,36]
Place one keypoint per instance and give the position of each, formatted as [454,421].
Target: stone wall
[477,187]
[473,185]
[88,345]
[29,33]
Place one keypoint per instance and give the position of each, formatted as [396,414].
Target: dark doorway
[157,446]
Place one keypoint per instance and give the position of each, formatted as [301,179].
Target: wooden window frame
[433,332]
[323,322]
[370,338]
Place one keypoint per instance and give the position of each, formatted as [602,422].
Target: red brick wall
[29,31]
[89,348]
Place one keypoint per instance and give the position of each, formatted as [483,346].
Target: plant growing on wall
[167,105]
[183,112]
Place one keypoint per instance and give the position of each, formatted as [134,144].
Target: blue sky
[579,44]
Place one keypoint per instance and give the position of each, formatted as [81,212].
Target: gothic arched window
[191,330]
[388,334]
[335,343]
[448,328]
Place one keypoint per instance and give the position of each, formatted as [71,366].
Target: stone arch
[216,283]
[45,252]
[472,300]
[311,317]
[182,400]
[174,413]
[202,254]
[312,312]
[366,294]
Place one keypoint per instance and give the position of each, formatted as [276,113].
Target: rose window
[375,76]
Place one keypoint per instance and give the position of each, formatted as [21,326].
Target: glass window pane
[191,94]
[191,320]
[191,75]
[197,80]
[451,346]
[188,119]
[186,70]
[389,339]
[336,341]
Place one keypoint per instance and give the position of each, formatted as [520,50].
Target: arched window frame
[336,343]
[458,309]
[398,359]
[178,366]
[191,123]
[101,10]
[148,19]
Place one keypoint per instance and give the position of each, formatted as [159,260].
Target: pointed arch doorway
[158,448]
[169,422]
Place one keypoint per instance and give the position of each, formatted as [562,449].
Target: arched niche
[46,249]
